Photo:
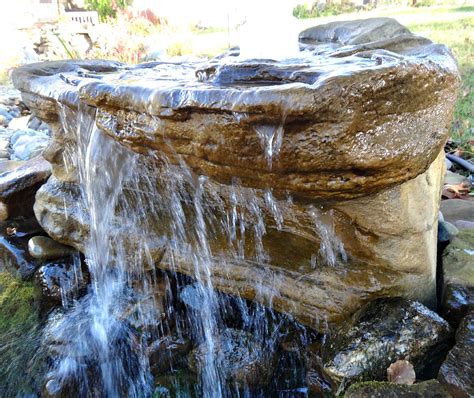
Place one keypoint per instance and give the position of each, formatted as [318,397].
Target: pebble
[44,248]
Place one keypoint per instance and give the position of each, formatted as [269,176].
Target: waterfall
[149,209]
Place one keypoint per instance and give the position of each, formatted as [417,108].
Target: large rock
[346,146]
[457,371]
[458,278]
[382,332]
[337,155]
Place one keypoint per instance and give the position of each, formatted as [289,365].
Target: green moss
[20,333]
[382,389]
[18,308]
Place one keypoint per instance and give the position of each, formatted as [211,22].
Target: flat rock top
[329,52]
[365,106]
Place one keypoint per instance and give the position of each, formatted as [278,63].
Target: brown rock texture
[351,132]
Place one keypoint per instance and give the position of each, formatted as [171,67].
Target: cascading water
[100,344]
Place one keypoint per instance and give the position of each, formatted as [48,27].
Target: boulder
[457,371]
[458,278]
[382,332]
[338,156]
[377,389]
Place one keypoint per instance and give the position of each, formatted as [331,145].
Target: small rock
[385,330]
[245,361]
[401,372]
[458,278]
[374,389]
[44,248]
[454,178]
[27,144]
[457,209]
[446,231]
[457,371]
[6,117]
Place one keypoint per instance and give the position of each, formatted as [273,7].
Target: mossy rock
[382,389]
[18,304]
[20,332]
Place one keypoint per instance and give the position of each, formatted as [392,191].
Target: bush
[107,8]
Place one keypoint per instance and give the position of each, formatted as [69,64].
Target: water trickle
[271,139]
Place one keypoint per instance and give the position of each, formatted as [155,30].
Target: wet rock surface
[457,371]
[425,389]
[373,145]
[382,332]
[243,360]
[45,248]
[458,278]
[261,121]
[61,281]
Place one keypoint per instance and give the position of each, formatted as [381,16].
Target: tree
[107,8]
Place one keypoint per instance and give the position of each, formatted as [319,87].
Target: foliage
[107,8]
[302,11]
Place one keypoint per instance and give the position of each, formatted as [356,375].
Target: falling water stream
[143,210]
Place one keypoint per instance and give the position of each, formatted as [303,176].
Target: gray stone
[382,332]
[44,248]
[457,209]
[457,371]
[354,32]
[446,231]
[61,281]
[27,144]
[454,178]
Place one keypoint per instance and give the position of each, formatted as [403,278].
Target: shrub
[107,8]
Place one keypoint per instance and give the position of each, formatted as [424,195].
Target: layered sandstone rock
[352,131]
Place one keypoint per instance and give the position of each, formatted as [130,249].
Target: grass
[457,35]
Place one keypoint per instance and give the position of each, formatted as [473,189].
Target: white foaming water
[270,31]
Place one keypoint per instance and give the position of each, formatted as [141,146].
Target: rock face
[457,371]
[458,278]
[382,332]
[339,152]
